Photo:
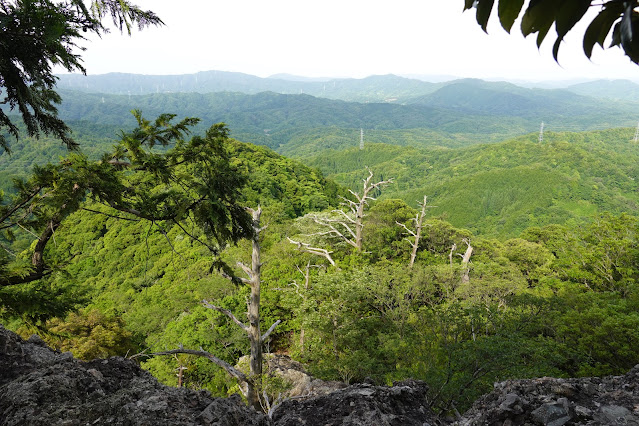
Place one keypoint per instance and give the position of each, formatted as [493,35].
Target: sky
[342,38]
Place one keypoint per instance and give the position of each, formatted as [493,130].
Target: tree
[418,222]
[189,184]
[38,34]
[251,382]
[348,225]
[252,329]
[616,17]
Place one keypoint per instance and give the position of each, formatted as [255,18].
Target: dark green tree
[155,175]
[35,35]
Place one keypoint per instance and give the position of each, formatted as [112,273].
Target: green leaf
[629,33]
[539,15]
[616,38]
[568,14]
[599,28]
[468,4]
[509,11]
[542,32]
[555,48]
[484,8]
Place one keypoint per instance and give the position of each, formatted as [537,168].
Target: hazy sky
[341,38]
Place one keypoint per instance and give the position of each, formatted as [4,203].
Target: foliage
[554,299]
[37,34]
[501,189]
[192,183]
[90,334]
[539,17]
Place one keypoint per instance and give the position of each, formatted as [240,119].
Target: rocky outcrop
[404,404]
[557,402]
[39,386]
[293,373]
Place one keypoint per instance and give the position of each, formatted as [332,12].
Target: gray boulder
[547,401]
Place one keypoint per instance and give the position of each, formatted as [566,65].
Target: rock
[552,414]
[616,415]
[39,386]
[294,374]
[555,402]
[404,404]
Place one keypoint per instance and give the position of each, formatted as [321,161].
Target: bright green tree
[186,183]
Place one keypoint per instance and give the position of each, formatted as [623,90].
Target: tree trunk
[254,334]
[419,223]
[466,261]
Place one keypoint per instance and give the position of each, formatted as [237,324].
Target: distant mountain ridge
[609,89]
[387,88]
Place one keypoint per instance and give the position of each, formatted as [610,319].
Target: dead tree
[252,329]
[306,248]
[250,383]
[466,261]
[348,225]
[417,234]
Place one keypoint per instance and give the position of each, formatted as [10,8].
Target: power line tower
[361,139]
[541,132]
[636,134]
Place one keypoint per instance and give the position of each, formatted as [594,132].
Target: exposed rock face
[404,404]
[557,402]
[294,373]
[39,386]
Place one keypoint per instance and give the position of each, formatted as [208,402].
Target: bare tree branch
[248,271]
[225,365]
[270,330]
[306,248]
[227,313]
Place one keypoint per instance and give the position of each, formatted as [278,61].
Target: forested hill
[501,98]
[502,189]
[495,189]
[297,125]
[557,300]
[275,120]
[608,89]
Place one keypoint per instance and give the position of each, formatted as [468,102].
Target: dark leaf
[484,8]
[625,30]
[616,38]
[568,14]
[508,12]
[539,16]
[599,28]
[542,32]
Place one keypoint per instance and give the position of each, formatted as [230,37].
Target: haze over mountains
[298,116]
[376,88]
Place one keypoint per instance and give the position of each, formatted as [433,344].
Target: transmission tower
[361,139]
[541,132]
[636,134]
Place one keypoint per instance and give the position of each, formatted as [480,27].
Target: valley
[526,266]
